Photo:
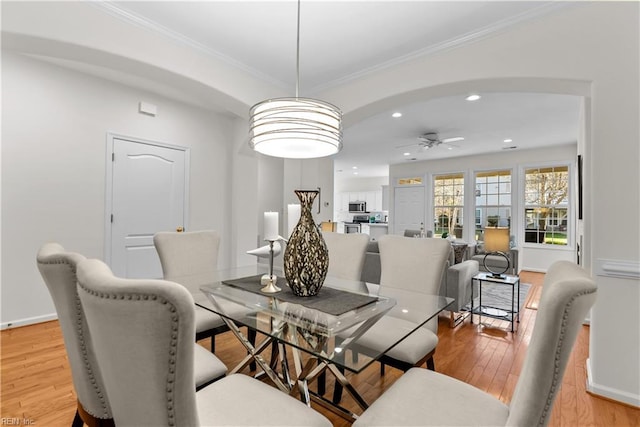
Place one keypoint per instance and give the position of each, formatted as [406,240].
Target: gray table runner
[329,300]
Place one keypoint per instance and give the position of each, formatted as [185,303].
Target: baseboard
[28,321]
[610,393]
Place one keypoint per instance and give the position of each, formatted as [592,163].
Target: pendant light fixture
[296,128]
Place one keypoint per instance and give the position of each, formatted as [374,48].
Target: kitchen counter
[378,224]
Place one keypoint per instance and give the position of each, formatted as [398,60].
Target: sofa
[456,282]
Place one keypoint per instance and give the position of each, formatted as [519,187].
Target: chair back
[58,269]
[567,295]
[413,264]
[142,331]
[189,258]
[346,254]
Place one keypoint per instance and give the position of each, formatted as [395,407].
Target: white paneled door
[148,194]
[409,208]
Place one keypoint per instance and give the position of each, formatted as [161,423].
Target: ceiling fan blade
[453,139]
[408,145]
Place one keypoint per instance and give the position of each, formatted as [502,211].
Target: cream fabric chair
[346,254]
[425,398]
[410,264]
[58,269]
[142,331]
[191,258]
[346,261]
[416,265]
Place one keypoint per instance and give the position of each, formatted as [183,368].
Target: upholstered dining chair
[416,265]
[409,264]
[191,258]
[142,331]
[346,259]
[425,398]
[58,269]
[346,254]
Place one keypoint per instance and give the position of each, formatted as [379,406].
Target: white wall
[54,127]
[588,49]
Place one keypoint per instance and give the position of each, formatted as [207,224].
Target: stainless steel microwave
[357,207]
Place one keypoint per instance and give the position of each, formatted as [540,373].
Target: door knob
[180,229]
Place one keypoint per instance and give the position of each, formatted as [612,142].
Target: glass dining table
[320,333]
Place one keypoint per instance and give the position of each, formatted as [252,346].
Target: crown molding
[147,24]
[465,39]
[448,45]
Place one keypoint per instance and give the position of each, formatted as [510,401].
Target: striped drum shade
[295,128]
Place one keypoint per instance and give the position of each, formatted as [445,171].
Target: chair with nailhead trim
[426,398]
[58,269]
[142,331]
[191,258]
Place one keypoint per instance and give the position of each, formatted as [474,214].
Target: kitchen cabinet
[372,198]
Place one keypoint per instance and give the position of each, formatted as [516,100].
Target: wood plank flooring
[36,386]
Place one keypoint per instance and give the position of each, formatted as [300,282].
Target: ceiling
[342,40]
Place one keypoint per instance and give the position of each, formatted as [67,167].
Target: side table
[501,313]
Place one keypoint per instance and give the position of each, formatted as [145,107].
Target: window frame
[571,223]
[511,207]
[434,178]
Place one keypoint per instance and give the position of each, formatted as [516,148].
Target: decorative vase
[306,258]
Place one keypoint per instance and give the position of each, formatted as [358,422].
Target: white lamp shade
[296,128]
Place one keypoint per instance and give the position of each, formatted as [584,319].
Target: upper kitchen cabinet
[372,198]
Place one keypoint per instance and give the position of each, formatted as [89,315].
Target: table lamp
[496,242]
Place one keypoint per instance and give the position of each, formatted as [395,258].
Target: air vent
[513,147]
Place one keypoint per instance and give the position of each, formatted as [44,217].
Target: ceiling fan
[431,139]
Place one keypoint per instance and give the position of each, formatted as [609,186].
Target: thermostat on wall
[147,108]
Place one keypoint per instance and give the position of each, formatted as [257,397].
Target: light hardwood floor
[36,381]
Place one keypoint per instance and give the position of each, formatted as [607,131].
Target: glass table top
[296,322]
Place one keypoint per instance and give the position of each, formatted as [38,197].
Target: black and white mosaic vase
[306,258]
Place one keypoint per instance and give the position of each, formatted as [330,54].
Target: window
[493,200]
[410,181]
[546,205]
[448,202]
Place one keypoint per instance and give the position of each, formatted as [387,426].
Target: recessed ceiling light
[354,167]
[473,97]
[396,115]
[508,140]
[406,154]
[355,173]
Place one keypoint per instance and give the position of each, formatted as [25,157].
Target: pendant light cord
[298,53]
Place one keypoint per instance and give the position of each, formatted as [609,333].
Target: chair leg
[77,420]
[213,343]
[430,364]
[322,383]
[337,390]
[251,335]
[84,418]
[381,368]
